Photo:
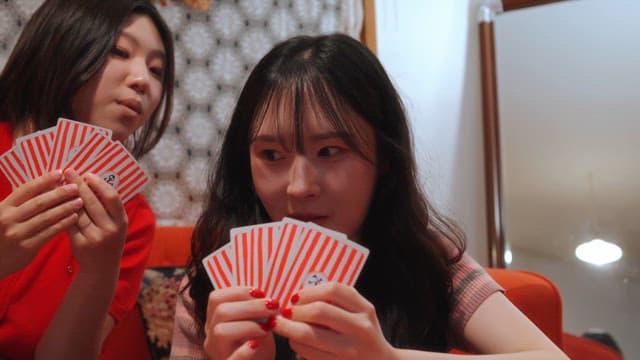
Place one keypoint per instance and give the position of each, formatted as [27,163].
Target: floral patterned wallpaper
[215,50]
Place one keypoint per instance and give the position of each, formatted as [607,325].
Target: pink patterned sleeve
[186,343]
[472,285]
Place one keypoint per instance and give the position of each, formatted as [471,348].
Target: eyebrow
[154,52]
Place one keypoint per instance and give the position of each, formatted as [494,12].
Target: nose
[138,76]
[303,178]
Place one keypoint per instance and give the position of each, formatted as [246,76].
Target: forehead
[303,111]
[141,30]
[279,120]
[290,111]
[314,124]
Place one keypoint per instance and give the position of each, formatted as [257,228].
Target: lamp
[597,251]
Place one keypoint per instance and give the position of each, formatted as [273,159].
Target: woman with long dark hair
[72,255]
[319,134]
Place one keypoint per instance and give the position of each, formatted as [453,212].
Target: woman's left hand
[333,321]
[99,235]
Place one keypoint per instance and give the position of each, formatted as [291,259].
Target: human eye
[330,151]
[120,52]
[156,64]
[271,154]
[157,71]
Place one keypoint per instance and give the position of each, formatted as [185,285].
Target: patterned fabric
[471,287]
[157,302]
[215,50]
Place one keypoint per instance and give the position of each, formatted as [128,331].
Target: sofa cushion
[157,302]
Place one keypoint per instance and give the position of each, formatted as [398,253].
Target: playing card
[69,135]
[35,150]
[219,267]
[283,254]
[116,166]
[283,257]
[323,255]
[87,152]
[14,167]
[252,247]
[71,144]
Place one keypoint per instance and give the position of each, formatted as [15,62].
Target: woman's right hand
[239,323]
[31,215]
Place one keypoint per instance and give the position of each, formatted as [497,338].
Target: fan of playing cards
[283,257]
[74,145]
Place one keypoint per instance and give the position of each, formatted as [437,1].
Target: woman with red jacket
[72,255]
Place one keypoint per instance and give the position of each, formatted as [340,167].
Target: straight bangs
[287,102]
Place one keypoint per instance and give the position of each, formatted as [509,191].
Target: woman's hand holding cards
[239,320]
[333,321]
[31,215]
[281,258]
[99,235]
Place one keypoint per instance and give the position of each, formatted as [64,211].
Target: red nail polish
[287,312]
[265,326]
[253,344]
[257,293]
[294,298]
[272,304]
[269,324]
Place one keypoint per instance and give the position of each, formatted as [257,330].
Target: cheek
[156,93]
[82,100]
[266,184]
[155,97]
[358,194]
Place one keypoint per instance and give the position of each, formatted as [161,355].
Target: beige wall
[430,49]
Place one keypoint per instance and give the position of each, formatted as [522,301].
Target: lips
[133,104]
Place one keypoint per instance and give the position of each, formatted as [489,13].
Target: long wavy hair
[62,45]
[407,276]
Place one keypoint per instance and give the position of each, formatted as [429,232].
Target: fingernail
[272,304]
[269,324]
[272,322]
[253,344]
[257,293]
[287,312]
[69,173]
[294,298]
[70,188]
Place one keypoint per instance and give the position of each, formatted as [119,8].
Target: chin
[121,137]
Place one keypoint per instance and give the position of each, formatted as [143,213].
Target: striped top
[471,287]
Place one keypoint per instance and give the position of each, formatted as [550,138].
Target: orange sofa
[535,295]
